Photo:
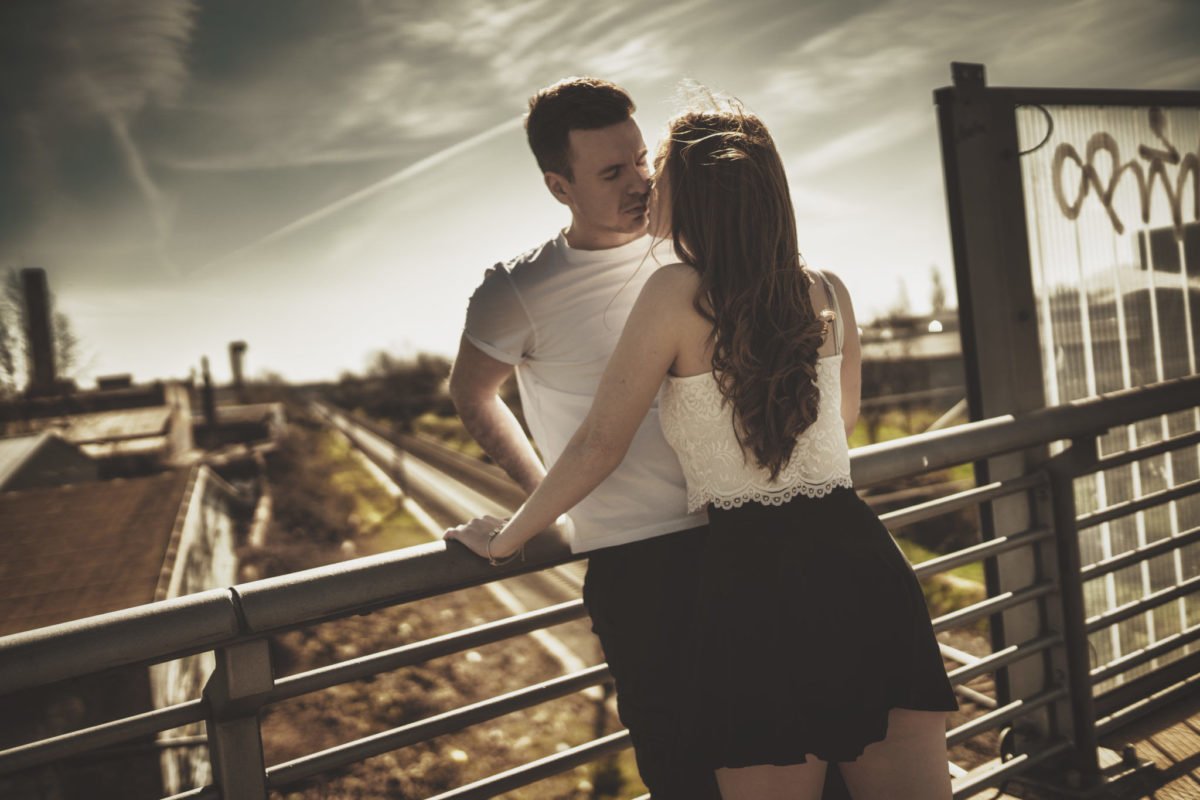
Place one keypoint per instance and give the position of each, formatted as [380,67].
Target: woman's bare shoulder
[673,285]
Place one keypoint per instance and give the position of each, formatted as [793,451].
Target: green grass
[916,554]
[382,522]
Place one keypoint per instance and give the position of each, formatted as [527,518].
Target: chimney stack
[209,400]
[36,292]
[236,351]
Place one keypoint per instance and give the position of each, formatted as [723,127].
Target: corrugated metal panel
[1112,196]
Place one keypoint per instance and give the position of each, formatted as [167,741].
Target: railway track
[455,488]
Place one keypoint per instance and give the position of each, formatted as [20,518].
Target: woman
[814,642]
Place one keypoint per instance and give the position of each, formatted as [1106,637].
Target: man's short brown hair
[571,104]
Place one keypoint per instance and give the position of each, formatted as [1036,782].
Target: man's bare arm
[474,385]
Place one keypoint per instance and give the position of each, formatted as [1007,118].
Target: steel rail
[420,652]
[1135,607]
[1146,451]
[971,785]
[1002,658]
[959,500]
[537,770]
[1150,652]
[423,730]
[1139,554]
[1128,507]
[209,619]
[1000,602]
[1147,705]
[975,441]
[977,552]
[105,734]
[1002,715]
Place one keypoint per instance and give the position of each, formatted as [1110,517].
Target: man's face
[609,194]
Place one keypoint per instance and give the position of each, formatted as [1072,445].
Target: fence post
[1063,469]
[234,691]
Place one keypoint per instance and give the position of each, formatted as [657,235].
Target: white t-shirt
[556,313]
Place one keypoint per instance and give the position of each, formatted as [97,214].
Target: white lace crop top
[698,424]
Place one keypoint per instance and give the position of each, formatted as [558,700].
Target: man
[554,314]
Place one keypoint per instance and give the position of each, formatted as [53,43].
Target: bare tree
[14,338]
[938,291]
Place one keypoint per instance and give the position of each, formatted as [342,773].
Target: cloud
[66,65]
[876,135]
[360,195]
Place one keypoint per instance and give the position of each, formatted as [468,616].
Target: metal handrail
[243,614]
[173,628]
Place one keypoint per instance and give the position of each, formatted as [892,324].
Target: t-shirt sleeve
[497,321]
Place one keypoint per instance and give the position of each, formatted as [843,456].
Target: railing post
[1063,469]
[234,693]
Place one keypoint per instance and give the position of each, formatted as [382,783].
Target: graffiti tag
[1146,175]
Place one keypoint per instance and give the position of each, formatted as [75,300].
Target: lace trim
[699,499]
[698,425]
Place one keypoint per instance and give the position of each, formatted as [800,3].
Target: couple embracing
[691,382]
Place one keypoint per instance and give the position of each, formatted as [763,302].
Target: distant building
[913,360]
[42,459]
[92,547]
[130,430]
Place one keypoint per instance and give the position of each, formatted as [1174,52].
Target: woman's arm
[851,355]
[643,356]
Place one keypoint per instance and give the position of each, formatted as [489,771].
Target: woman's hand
[474,536]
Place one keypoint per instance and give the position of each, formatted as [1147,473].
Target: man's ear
[557,184]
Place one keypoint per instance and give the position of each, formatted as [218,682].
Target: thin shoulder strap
[833,305]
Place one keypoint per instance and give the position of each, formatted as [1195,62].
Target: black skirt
[812,626]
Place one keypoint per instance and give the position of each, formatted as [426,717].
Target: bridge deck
[1169,738]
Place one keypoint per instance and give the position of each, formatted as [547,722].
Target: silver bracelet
[491,558]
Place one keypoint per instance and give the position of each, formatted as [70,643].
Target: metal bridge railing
[235,622]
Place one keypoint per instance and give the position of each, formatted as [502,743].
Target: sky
[324,180]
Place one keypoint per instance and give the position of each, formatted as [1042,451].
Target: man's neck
[582,239]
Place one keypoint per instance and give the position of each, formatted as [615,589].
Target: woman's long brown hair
[732,221]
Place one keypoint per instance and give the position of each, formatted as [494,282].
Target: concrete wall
[203,558]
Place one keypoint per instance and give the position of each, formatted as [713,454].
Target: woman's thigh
[768,782]
[910,764]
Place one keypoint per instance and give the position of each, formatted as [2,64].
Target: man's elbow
[464,393]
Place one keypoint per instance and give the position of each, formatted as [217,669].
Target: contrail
[411,171]
[149,190]
[136,165]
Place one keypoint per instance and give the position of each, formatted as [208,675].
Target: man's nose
[644,182]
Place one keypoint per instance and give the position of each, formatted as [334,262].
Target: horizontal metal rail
[103,735]
[1133,691]
[225,617]
[959,500]
[1139,554]
[1140,504]
[161,631]
[1002,658]
[423,730]
[143,634]
[1147,451]
[1160,648]
[201,793]
[977,552]
[1148,705]
[1002,716]
[975,441]
[1135,607]
[540,769]
[993,605]
[975,782]
[420,652]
